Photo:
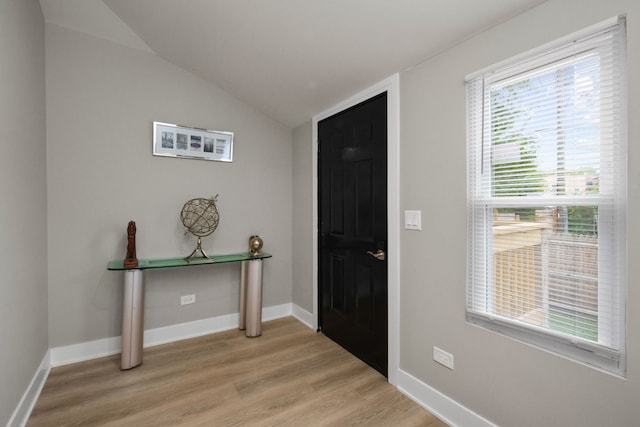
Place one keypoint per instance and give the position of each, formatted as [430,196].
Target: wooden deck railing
[535,268]
[517,276]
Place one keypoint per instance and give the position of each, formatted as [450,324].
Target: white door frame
[391,85]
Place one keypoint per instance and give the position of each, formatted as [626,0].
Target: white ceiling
[291,59]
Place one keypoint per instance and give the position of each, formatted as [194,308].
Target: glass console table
[133,301]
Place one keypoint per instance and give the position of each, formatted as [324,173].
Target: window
[547,197]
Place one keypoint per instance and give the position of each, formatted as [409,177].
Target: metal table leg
[242,321]
[132,319]
[251,298]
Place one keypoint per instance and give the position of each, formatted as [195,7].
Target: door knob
[378,255]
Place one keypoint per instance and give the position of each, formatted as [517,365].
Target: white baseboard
[30,397]
[440,405]
[108,346]
[276,312]
[183,331]
[74,353]
[302,315]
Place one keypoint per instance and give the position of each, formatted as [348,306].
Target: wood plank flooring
[290,376]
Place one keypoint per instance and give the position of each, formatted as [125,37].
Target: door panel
[365,297]
[338,295]
[364,200]
[352,194]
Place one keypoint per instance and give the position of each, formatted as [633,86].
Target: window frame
[608,354]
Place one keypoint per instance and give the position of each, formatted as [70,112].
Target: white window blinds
[547,198]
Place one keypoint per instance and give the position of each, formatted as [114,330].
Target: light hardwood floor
[290,376]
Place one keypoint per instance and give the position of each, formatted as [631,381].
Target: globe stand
[200,217]
[197,250]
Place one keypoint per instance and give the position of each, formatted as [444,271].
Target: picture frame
[170,140]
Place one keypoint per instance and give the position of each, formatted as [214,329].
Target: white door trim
[391,85]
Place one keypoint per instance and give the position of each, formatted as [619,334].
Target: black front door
[352,239]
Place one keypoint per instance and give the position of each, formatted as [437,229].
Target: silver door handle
[378,255]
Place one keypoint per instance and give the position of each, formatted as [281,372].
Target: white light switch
[413,220]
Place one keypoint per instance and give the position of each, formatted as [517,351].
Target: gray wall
[23,200]
[101,101]
[302,217]
[510,383]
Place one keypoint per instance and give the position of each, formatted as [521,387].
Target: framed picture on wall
[171,140]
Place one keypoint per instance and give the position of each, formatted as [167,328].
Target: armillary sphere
[200,217]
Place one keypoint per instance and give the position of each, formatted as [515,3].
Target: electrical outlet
[187,299]
[442,357]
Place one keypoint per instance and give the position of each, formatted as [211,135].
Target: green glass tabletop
[145,264]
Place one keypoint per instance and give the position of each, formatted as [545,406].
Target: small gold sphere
[255,244]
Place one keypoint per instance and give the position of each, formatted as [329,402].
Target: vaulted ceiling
[289,58]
